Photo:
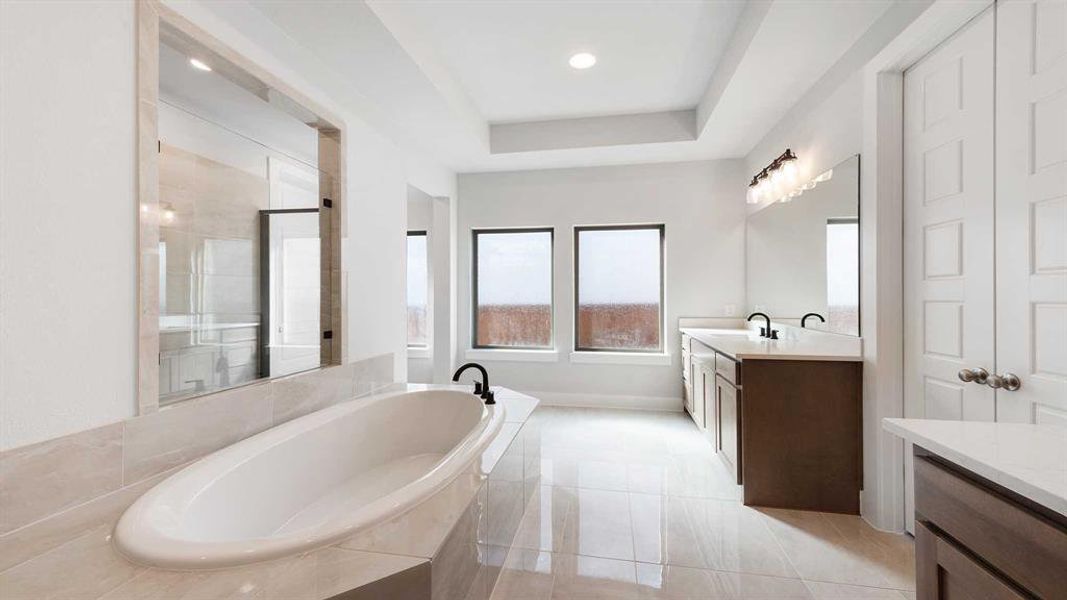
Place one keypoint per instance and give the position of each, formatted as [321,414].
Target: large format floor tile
[636,504]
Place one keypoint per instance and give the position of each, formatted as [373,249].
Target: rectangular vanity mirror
[243,285]
[803,254]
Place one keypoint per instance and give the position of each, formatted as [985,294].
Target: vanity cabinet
[789,430]
[974,539]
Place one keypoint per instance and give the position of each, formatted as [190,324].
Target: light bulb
[753,195]
[789,172]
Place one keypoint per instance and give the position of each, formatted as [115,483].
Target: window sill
[503,354]
[419,352]
[622,358]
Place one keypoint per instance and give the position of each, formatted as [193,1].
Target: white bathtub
[310,482]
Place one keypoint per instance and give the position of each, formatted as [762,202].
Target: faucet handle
[763,332]
[478,387]
[774,334]
[489,396]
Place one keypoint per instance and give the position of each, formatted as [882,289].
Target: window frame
[578,229]
[429,327]
[475,232]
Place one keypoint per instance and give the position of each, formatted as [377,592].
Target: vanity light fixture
[776,181]
[582,60]
[199,64]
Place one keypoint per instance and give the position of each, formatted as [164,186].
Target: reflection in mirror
[239,235]
[803,254]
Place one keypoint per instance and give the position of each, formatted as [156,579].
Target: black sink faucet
[766,332]
[481,388]
[804,319]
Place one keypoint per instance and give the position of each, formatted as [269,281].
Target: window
[618,288]
[843,275]
[418,290]
[512,289]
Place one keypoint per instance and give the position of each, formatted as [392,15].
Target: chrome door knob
[978,375]
[1008,381]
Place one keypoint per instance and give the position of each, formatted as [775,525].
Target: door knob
[978,375]
[1007,381]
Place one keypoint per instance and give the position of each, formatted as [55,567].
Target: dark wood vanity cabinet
[789,431]
[801,434]
[975,539]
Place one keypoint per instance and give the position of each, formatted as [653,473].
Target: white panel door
[948,226]
[948,232]
[1031,209]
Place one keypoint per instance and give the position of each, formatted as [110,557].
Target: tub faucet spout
[481,388]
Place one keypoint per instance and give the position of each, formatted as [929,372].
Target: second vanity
[784,415]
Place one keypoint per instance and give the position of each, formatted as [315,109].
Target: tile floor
[635,505]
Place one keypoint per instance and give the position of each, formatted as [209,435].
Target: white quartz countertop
[743,344]
[1030,460]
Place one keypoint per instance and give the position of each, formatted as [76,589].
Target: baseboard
[607,401]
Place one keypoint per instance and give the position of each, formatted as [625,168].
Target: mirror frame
[153,18]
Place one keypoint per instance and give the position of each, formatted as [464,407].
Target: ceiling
[485,85]
[511,57]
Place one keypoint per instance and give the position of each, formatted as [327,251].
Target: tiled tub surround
[69,555]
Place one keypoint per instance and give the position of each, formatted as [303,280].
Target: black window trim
[551,231]
[578,229]
[423,233]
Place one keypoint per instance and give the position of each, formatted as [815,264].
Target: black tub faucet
[481,388]
[804,319]
[766,332]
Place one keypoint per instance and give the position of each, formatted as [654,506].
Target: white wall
[68,209]
[702,206]
[68,216]
[823,137]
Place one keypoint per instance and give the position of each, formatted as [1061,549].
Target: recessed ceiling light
[582,60]
[199,64]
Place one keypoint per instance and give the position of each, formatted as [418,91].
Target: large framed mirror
[240,227]
[803,255]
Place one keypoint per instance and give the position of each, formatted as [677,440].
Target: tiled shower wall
[117,462]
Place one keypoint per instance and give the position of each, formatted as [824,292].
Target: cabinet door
[943,572]
[1031,209]
[729,426]
[698,396]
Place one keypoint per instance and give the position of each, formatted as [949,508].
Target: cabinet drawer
[1024,546]
[944,572]
[728,368]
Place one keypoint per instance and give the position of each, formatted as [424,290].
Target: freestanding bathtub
[310,482]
